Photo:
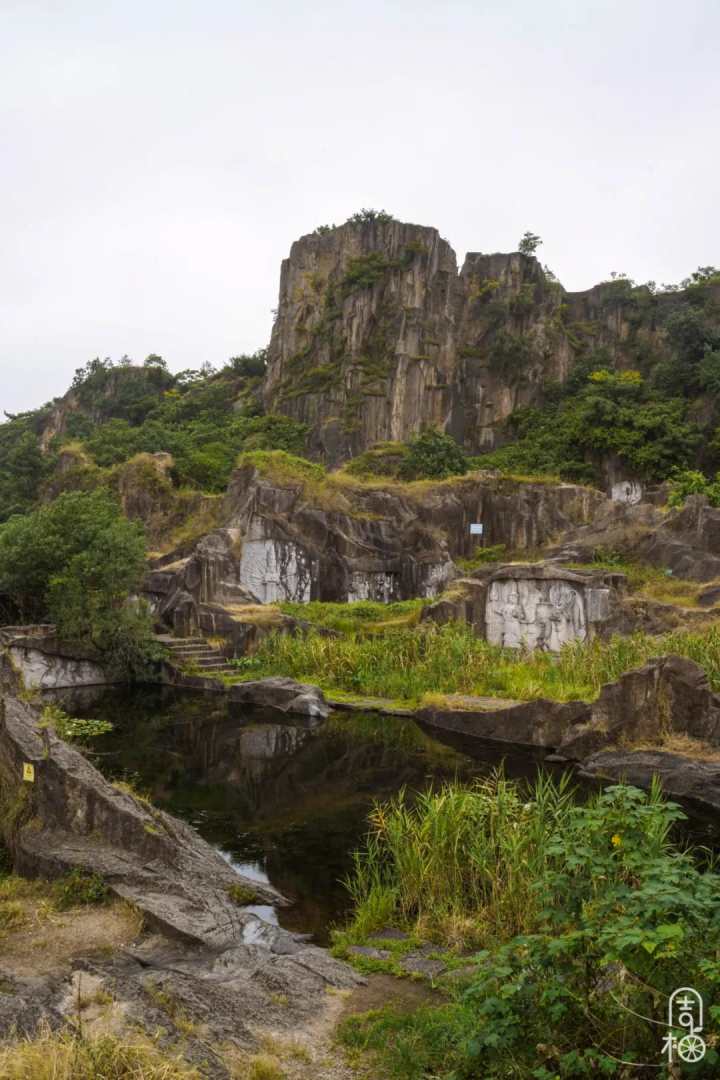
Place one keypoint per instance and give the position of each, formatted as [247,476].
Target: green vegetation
[460,864]
[588,917]
[67,1055]
[646,580]
[433,455]
[74,562]
[202,418]
[529,243]
[609,413]
[634,397]
[360,616]
[73,729]
[79,887]
[429,661]
[481,556]
[691,482]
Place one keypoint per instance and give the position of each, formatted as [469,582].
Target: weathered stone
[538,723]
[72,817]
[533,606]
[279,542]
[42,662]
[368,952]
[667,695]
[420,345]
[282,694]
[681,777]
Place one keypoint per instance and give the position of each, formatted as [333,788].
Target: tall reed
[460,863]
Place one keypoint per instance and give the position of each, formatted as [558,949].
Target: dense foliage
[75,562]
[203,418]
[650,396]
[610,413]
[590,917]
[433,455]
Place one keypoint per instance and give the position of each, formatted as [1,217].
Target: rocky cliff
[377,335]
[297,537]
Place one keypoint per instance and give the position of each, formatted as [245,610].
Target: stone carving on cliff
[534,614]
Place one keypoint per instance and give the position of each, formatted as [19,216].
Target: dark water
[284,802]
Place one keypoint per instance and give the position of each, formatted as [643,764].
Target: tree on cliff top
[75,562]
[529,243]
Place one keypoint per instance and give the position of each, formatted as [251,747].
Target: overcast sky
[158,157]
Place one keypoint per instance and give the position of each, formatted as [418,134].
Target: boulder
[667,695]
[681,777]
[70,816]
[283,695]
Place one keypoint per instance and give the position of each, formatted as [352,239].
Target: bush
[689,482]
[433,455]
[74,562]
[617,918]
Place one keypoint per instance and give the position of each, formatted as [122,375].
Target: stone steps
[198,652]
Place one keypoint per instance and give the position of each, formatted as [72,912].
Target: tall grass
[64,1056]
[461,863]
[408,663]
[361,616]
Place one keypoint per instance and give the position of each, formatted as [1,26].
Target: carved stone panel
[534,614]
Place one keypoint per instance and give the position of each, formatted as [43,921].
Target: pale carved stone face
[534,614]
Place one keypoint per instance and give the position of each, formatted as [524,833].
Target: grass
[648,581]
[407,664]
[334,491]
[65,1056]
[458,865]
[360,616]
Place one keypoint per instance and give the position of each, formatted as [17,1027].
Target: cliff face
[378,335]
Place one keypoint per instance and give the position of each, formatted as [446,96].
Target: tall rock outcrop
[378,335]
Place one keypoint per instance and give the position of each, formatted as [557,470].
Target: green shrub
[690,482]
[79,887]
[433,455]
[618,917]
[481,556]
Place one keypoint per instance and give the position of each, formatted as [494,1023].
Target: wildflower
[616,840]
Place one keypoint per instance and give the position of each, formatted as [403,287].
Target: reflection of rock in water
[534,614]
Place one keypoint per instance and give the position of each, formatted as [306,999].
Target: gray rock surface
[681,777]
[283,695]
[421,345]
[72,817]
[279,541]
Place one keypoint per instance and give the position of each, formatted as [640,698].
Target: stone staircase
[196,654]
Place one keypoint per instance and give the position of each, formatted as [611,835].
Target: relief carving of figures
[534,614]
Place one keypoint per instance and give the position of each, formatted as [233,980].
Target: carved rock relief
[534,614]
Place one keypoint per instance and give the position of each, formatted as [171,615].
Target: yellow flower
[616,840]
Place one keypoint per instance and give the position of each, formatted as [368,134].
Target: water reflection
[284,803]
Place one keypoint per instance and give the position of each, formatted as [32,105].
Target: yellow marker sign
[28,772]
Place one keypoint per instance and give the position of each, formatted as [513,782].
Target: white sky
[158,157]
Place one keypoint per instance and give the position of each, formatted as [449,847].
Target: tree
[529,243]
[76,562]
[433,455]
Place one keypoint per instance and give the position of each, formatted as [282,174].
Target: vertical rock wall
[377,335]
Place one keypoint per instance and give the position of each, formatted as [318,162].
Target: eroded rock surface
[281,695]
[280,540]
[535,605]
